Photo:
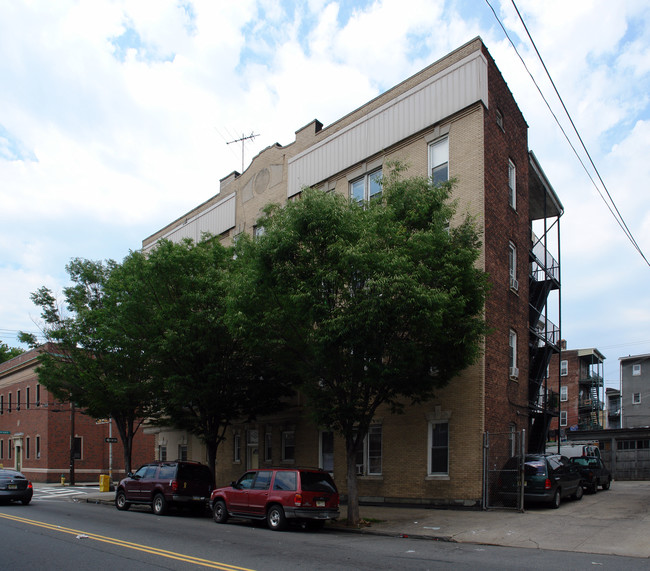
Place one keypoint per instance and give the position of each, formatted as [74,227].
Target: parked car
[548,478]
[575,449]
[14,487]
[279,496]
[593,472]
[165,484]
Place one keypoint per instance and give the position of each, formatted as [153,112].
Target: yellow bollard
[104,483]
[63,480]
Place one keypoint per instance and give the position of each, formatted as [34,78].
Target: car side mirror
[233,484]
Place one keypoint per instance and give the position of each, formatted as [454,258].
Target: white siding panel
[214,220]
[429,102]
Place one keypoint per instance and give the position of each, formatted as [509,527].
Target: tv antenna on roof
[242,140]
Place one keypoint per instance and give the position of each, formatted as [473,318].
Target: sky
[115,119]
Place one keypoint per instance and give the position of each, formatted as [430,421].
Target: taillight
[29,485]
[174,485]
[548,485]
[297,500]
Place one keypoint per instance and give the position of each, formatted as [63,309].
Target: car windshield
[535,468]
[317,482]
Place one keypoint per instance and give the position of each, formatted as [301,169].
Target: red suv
[279,495]
[164,484]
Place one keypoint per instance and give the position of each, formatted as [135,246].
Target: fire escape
[590,384]
[545,211]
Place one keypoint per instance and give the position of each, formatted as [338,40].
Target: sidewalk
[615,522]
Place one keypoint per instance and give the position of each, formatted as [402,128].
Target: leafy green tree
[95,360]
[7,352]
[206,376]
[369,305]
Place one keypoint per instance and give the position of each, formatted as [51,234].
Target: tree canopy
[368,305]
[7,352]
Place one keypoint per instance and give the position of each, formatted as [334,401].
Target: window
[9,403]
[288,446]
[18,400]
[182,451]
[27,398]
[27,447]
[236,448]
[2,404]
[77,448]
[564,394]
[369,455]
[563,418]
[286,481]
[564,368]
[2,449]
[439,448]
[514,371]
[162,452]
[9,447]
[327,451]
[439,160]
[38,447]
[258,231]
[366,187]
[512,266]
[512,185]
[500,119]
[636,398]
[38,395]
[268,445]
[636,370]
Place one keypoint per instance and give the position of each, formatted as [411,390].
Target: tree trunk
[353,492]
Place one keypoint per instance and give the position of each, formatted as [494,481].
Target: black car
[594,473]
[548,478]
[165,484]
[14,487]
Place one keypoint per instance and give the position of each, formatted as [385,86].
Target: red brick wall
[505,400]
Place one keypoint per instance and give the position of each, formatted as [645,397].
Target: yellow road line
[127,544]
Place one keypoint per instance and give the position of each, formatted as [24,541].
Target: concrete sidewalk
[613,522]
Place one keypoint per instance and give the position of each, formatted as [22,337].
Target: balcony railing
[592,379]
[544,265]
[592,404]
[547,333]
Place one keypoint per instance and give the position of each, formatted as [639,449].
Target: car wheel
[275,518]
[557,499]
[120,501]
[159,505]
[26,501]
[578,493]
[220,512]
[606,485]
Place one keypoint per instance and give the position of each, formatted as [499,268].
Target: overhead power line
[611,207]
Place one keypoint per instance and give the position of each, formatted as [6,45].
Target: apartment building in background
[454,119]
[45,438]
[635,391]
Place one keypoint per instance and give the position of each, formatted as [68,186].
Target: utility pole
[72,442]
[242,140]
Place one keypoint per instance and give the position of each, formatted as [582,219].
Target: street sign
[5,432]
[112,440]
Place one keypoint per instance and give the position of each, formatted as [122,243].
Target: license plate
[320,503]
[12,486]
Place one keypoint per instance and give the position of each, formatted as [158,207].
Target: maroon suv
[279,496]
[165,484]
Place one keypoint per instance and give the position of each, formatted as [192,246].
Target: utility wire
[617,215]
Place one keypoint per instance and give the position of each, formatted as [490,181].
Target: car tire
[26,501]
[275,518]
[577,495]
[120,501]
[557,499]
[159,505]
[593,488]
[606,485]
[220,512]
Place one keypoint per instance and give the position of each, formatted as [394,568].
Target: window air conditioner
[514,373]
[514,284]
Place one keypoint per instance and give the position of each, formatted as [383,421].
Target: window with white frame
[182,452]
[512,184]
[366,187]
[563,418]
[438,448]
[38,447]
[236,448]
[512,266]
[439,160]
[288,446]
[369,456]
[162,452]
[636,398]
[564,394]
[636,370]
[564,368]
[514,371]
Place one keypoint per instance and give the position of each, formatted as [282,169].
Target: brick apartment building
[576,376]
[455,118]
[38,433]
